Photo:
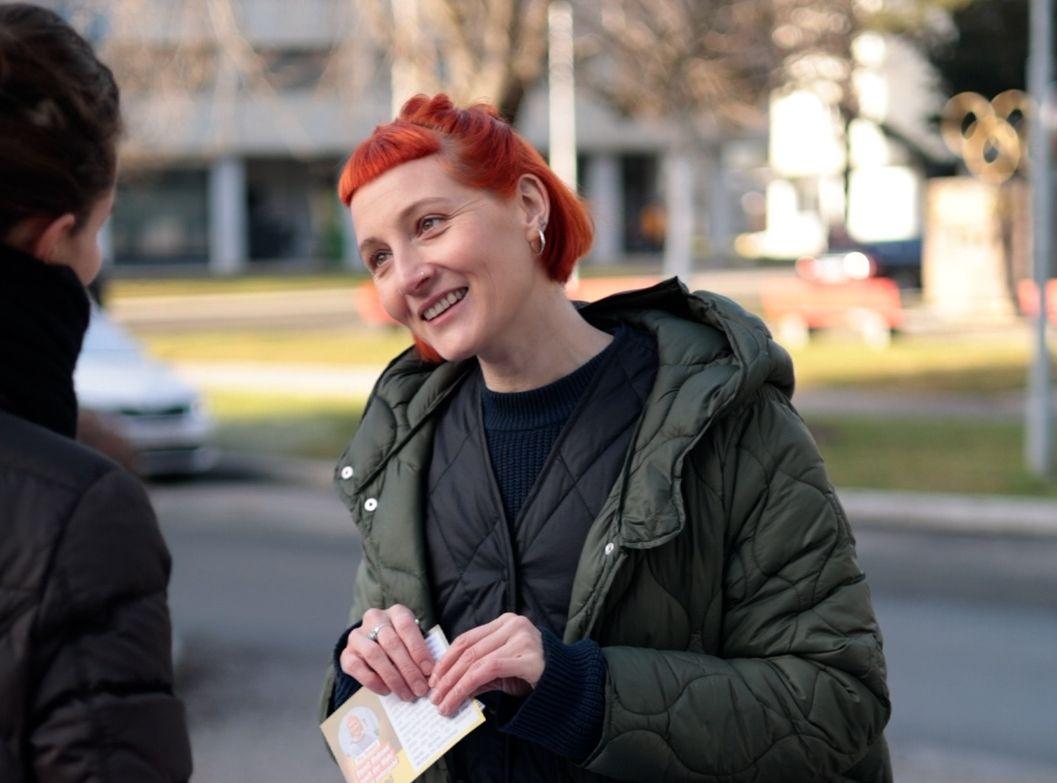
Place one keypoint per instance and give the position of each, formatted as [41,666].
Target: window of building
[293,210]
[644,218]
[161,216]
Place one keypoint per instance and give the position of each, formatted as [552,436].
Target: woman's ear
[52,243]
[535,204]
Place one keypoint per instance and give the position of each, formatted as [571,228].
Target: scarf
[44,314]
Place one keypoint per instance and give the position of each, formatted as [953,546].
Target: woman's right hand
[396,661]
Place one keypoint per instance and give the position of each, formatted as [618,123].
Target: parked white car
[160,416]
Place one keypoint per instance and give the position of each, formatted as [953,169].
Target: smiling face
[452,263]
[355,727]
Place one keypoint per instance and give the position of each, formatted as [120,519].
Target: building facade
[240,113]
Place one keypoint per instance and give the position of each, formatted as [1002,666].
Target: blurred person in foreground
[613,510]
[86,681]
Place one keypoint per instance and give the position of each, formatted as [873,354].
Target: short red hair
[482,151]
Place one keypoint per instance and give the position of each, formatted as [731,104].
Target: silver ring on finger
[373,633]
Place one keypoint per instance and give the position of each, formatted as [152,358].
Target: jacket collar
[712,355]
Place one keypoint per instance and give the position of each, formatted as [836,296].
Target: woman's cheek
[394,306]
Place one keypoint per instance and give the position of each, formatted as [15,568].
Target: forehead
[403,185]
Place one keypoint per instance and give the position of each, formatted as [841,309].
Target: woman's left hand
[505,654]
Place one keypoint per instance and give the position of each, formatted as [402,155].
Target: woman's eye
[429,223]
[377,259]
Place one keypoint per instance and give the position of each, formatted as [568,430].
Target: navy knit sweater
[564,713]
[521,428]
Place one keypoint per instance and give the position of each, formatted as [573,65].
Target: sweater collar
[546,405]
[44,314]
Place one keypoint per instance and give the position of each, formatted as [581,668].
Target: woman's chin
[452,353]
[454,342]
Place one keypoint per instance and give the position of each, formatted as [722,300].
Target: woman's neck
[555,341]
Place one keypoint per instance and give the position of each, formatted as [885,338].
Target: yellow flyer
[382,739]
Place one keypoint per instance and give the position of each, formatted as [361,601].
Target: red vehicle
[838,290]
[1028,298]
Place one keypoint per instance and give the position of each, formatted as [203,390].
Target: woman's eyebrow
[417,205]
[411,208]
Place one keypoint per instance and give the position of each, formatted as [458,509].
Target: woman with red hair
[612,510]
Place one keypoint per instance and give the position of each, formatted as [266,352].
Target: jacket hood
[713,356]
[700,328]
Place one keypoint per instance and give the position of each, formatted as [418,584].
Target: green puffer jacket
[719,578]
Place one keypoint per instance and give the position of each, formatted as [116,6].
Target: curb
[999,515]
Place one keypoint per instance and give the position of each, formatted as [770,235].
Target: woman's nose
[415,275]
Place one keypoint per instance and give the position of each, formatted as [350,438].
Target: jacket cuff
[344,685]
[565,712]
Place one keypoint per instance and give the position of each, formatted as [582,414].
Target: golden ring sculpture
[989,135]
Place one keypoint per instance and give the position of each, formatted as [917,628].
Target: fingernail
[427,668]
[421,689]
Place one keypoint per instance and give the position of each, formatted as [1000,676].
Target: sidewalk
[311,380]
[998,515]
[994,515]
[910,405]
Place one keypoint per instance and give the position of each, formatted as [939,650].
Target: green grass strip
[926,455]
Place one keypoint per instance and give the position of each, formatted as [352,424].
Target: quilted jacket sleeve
[797,692]
[366,594]
[104,709]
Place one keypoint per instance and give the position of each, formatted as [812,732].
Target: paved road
[261,582]
[260,589]
[970,625]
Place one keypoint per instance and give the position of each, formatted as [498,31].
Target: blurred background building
[733,129]
[240,113]
[855,165]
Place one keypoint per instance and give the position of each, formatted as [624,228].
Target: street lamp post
[1038,442]
[561,88]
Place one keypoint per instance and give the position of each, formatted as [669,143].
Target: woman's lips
[443,305]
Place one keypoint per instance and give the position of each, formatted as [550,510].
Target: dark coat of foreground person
[718,577]
[86,681]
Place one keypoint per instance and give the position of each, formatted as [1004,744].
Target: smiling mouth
[444,304]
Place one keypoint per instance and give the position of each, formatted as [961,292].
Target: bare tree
[492,50]
[197,55]
[709,67]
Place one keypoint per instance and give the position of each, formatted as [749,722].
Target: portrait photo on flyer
[382,739]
